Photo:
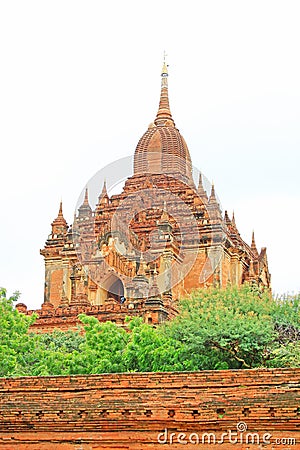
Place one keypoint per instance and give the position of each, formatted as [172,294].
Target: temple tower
[150,248]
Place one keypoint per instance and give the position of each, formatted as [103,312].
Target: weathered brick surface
[128,411]
[66,318]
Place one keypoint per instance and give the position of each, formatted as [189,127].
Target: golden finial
[60,212]
[164,72]
[164,114]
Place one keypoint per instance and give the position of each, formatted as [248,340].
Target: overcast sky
[80,82]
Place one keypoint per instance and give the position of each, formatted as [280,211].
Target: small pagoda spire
[103,197]
[212,197]
[59,225]
[233,220]
[201,191]
[164,114]
[104,189]
[226,218]
[233,228]
[85,209]
[200,182]
[60,216]
[214,206]
[86,197]
[60,212]
[253,245]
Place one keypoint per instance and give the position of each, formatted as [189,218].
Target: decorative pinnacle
[253,245]
[212,197]
[103,198]
[233,219]
[85,208]
[226,218]
[60,212]
[200,183]
[164,114]
[164,72]
[104,190]
[60,220]
[86,197]
[201,191]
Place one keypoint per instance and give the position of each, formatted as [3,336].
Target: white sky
[80,82]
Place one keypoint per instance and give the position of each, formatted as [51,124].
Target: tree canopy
[233,328]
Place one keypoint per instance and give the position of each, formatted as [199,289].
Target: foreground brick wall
[129,411]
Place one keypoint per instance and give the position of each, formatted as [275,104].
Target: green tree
[102,350]
[57,352]
[17,349]
[215,329]
[150,349]
[286,316]
[226,328]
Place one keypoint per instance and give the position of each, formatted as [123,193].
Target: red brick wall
[128,411]
[56,286]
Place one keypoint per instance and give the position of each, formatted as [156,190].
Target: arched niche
[113,287]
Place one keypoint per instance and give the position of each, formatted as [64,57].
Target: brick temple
[140,251]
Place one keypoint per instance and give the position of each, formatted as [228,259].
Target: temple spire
[164,116]
[103,197]
[200,182]
[104,189]
[233,219]
[60,216]
[253,245]
[60,211]
[59,225]
[226,218]
[85,209]
[201,191]
[213,205]
[212,197]
[86,197]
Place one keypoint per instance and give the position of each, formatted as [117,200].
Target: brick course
[128,411]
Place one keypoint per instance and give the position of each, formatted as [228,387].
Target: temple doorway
[114,287]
